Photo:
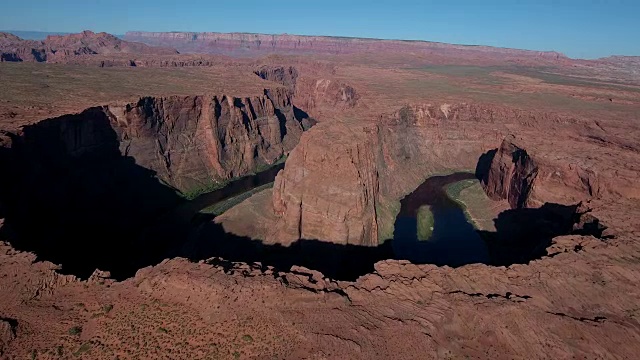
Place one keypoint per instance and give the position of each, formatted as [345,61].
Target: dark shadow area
[484,164]
[71,197]
[523,235]
[304,119]
[10,57]
[282,121]
[341,262]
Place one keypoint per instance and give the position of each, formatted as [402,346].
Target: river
[453,241]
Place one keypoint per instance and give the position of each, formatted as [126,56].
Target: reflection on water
[453,242]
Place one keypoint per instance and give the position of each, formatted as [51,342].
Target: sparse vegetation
[107,308]
[263,167]
[474,202]
[425,222]
[212,185]
[162,330]
[82,349]
[386,211]
[76,330]
[220,207]
[247,338]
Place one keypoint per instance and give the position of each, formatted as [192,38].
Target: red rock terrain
[59,48]
[98,175]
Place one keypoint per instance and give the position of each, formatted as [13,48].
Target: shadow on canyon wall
[484,165]
[336,261]
[71,197]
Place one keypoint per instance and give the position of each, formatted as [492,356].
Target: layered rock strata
[56,48]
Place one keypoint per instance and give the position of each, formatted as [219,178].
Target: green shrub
[76,330]
[247,338]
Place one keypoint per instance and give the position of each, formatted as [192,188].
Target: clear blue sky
[585,29]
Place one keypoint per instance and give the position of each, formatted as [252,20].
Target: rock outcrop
[59,48]
[511,174]
[328,195]
[283,75]
[312,91]
[7,332]
[527,180]
[340,183]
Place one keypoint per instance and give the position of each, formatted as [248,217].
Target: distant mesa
[57,48]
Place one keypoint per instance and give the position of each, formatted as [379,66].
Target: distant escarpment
[61,48]
[244,44]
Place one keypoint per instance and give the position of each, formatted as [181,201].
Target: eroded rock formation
[194,141]
[341,181]
[311,92]
[283,75]
[56,48]
[527,180]
[328,195]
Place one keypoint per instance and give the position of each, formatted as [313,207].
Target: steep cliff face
[511,175]
[328,195]
[527,180]
[192,142]
[341,181]
[93,181]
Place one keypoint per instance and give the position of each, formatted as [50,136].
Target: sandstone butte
[101,173]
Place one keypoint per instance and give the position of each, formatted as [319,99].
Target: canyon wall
[195,141]
[342,182]
[94,180]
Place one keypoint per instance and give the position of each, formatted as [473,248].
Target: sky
[579,29]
